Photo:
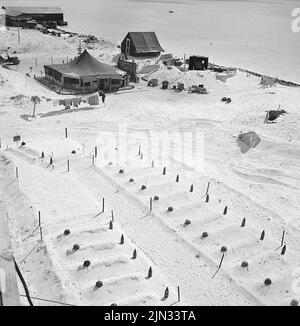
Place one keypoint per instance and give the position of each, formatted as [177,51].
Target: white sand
[261,186]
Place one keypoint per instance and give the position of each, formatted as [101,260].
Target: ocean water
[255,34]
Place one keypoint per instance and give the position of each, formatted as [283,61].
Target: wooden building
[85,73]
[15,15]
[141,44]
[198,63]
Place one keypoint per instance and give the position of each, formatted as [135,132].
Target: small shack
[85,73]
[141,44]
[198,63]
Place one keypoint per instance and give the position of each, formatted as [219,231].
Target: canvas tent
[85,73]
[138,44]
[268,81]
[248,140]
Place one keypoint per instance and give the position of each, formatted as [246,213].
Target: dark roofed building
[139,44]
[85,73]
[40,14]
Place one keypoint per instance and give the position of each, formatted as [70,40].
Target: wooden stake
[166,295]
[40,224]
[111,225]
[243,222]
[66,132]
[151,204]
[41,233]
[177,178]
[225,210]
[262,236]
[207,189]
[139,150]
[282,239]
[68,163]
[112,216]
[164,171]
[207,198]
[134,254]
[103,202]
[178,292]
[150,272]
[122,239]
[96,152]
[17,173]
[283,250]
[192,188]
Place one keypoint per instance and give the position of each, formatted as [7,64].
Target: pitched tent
[248,140]
[85,73]
[141,44]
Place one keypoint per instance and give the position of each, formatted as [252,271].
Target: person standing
[103,96]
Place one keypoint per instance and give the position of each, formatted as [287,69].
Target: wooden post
[66,132]
[112,216]
[177,178]
[41,233]
[96,152]
[178,291]
[103,201]
[34,106]
[151,204]
[19,38]
[192,188]
[282,239]
[36,63]
[164,171]
[68,163]
[40,223]
[17,173]
[207,189]
[139,150]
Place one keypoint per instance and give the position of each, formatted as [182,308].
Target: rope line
[46,300]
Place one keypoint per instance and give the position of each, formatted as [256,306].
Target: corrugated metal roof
[145,42]
[16,11]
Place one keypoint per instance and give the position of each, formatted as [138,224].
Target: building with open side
[86,74]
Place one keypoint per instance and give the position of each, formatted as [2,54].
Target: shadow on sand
[28,117]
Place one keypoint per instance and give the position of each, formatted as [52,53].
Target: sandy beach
[260,187]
